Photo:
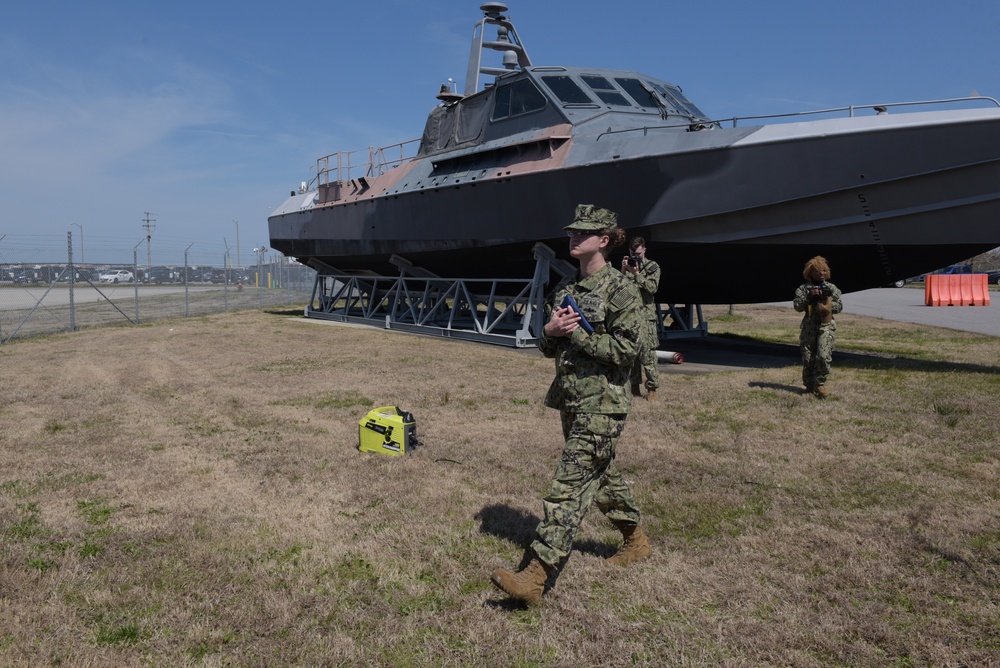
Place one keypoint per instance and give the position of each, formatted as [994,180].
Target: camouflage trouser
[646,359]
[816,342]
[586,474]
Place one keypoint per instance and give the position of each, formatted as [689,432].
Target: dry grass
[189,493]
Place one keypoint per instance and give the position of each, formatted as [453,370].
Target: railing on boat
[881,108]
[344,165]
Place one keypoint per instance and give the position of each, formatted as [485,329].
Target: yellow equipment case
[388,431]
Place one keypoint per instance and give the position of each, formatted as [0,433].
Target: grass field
[189,492]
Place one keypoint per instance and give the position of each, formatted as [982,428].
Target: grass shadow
[734,350]
[510,524]
[794,389]
[881,363]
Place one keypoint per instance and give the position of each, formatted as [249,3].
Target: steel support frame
[680,322]
[501,311]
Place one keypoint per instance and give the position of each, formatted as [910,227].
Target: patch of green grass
[706,519]
[348,399]
[286,366]
[95,511]
[129,634]
[859,495]
[54,426]
[29,526]
[345,399]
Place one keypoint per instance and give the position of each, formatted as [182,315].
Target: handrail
[880,108]
[377,162]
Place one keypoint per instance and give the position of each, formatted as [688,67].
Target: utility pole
[82,257]
[238,244]
[148,224]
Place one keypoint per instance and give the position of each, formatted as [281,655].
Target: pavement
[906,304]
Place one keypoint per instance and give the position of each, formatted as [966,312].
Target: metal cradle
[502,311]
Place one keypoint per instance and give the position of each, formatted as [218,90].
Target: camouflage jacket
[592,370]
[803,304]
[647,280]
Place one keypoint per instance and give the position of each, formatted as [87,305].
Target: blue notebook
[570,302]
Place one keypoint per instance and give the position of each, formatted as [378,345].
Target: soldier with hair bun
[594,349]
[818,299]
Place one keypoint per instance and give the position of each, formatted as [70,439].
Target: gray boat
[730,208]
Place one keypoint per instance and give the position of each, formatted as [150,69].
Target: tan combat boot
[821,392]
[527,585]
[651,395]
[636,390]
[634,548]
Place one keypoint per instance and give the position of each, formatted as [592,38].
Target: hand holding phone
[569,302]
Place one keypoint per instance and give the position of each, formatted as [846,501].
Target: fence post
[225,282]
[135,281]
[72,282]
[186,280]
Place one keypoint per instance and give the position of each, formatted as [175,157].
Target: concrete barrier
[956,290]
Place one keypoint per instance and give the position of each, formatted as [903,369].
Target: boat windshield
[675,95]
[517,98]
[605,90]
[566,89]
[642,94]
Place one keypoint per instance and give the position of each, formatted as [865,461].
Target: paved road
[907,305]
[20,297]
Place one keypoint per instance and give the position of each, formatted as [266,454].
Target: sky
[189,122]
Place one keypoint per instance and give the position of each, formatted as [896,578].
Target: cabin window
[605,90]
[567,90]
[520,97]
[679,99]
[637,91]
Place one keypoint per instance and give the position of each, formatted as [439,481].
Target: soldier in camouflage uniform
[819,300]
[646,275]
[591,392]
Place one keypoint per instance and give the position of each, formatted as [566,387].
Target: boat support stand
[502,311]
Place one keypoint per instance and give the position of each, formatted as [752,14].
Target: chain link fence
[39,297]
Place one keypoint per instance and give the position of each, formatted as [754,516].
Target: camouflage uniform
[591,392]
[816,338]
[647,280]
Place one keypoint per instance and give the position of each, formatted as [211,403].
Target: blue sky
[211,112]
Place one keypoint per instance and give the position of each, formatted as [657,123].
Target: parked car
[993,276]
[117,276]
[950,269]
[27,277]
[160,275]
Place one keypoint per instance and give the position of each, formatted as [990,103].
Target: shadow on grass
[862,361]
[518,527]
[794,389]
[294,312]
[728,350]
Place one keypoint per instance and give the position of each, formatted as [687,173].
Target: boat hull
[731,216]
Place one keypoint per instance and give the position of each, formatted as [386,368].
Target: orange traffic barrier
[956,290]
[954,283]
[965,280]
[932,293]
[980,290]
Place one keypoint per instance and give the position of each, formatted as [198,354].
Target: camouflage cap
[590,218]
